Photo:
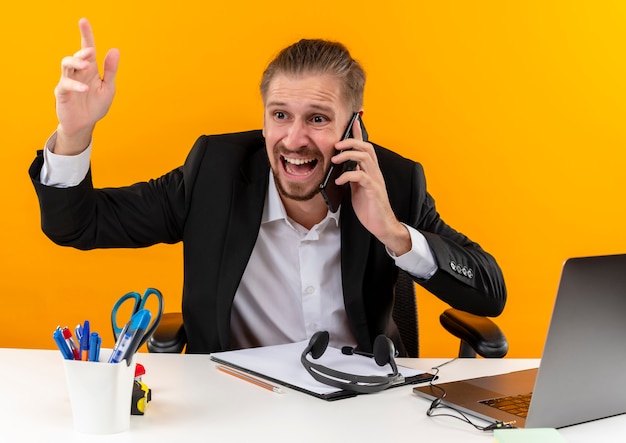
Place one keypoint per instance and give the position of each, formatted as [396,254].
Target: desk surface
[190,398]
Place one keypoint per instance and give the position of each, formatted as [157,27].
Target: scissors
[139,302]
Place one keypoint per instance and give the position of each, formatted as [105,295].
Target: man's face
[304,118]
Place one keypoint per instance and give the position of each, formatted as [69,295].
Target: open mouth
[299,166]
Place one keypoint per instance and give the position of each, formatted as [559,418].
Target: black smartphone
[333,193]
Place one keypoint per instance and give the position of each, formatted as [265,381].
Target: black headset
[384,352]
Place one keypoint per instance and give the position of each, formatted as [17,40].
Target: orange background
[515,109]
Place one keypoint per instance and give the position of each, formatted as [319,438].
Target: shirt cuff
[419,261]
[63,171]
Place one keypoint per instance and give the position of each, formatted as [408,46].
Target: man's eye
[319,119]
[279,115]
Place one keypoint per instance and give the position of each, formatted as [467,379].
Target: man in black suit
[266,262]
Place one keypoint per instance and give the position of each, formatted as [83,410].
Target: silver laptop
[582,374]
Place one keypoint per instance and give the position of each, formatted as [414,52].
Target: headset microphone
[384,352]
[349,350]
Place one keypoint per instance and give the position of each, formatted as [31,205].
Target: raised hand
[82,96]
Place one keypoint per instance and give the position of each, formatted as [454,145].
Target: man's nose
[297,135]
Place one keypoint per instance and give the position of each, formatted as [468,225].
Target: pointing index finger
[86,35]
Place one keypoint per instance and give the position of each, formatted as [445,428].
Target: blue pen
[119,342]
[130,337]
[85,336]
[57,335]
[78,332]
[94,346]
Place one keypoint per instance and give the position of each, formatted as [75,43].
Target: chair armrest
[480,333]
[170,335]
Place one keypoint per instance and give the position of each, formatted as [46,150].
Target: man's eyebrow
[325,109]
[275,103]
[313,107]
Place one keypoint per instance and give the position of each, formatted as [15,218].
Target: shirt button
[309,290]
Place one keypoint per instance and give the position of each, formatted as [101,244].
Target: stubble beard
[296,191]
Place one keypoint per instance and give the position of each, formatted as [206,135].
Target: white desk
[191,399]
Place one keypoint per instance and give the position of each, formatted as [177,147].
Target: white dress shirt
[291,287]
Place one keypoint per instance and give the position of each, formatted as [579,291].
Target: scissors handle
[136,306]
[156,319]
[139,303]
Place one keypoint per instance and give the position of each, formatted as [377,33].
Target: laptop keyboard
[513,404]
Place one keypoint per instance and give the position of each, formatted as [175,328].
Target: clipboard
[281,364]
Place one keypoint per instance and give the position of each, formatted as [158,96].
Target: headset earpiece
[384,350]
[318,344]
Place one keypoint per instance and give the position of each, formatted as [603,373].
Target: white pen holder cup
[100,394]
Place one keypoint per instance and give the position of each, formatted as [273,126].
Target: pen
[118,343]
[67,335]
[251,379]
[130,337]
[94,346]
[84,339]
[57,335]
[78,333]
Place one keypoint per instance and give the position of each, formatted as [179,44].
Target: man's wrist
[399,242]
[419,261]
[65,144]
[63,171]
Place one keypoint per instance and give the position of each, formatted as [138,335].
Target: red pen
[67,335]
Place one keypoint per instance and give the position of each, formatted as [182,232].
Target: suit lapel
[246,210]
[355,242]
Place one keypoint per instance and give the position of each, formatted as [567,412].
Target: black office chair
[478,335]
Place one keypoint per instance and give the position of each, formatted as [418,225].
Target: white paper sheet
[282,363]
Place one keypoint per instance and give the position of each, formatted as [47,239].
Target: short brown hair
[319,57]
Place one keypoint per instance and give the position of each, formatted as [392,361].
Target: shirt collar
[274,209]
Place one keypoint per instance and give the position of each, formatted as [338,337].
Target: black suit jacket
[214,202]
